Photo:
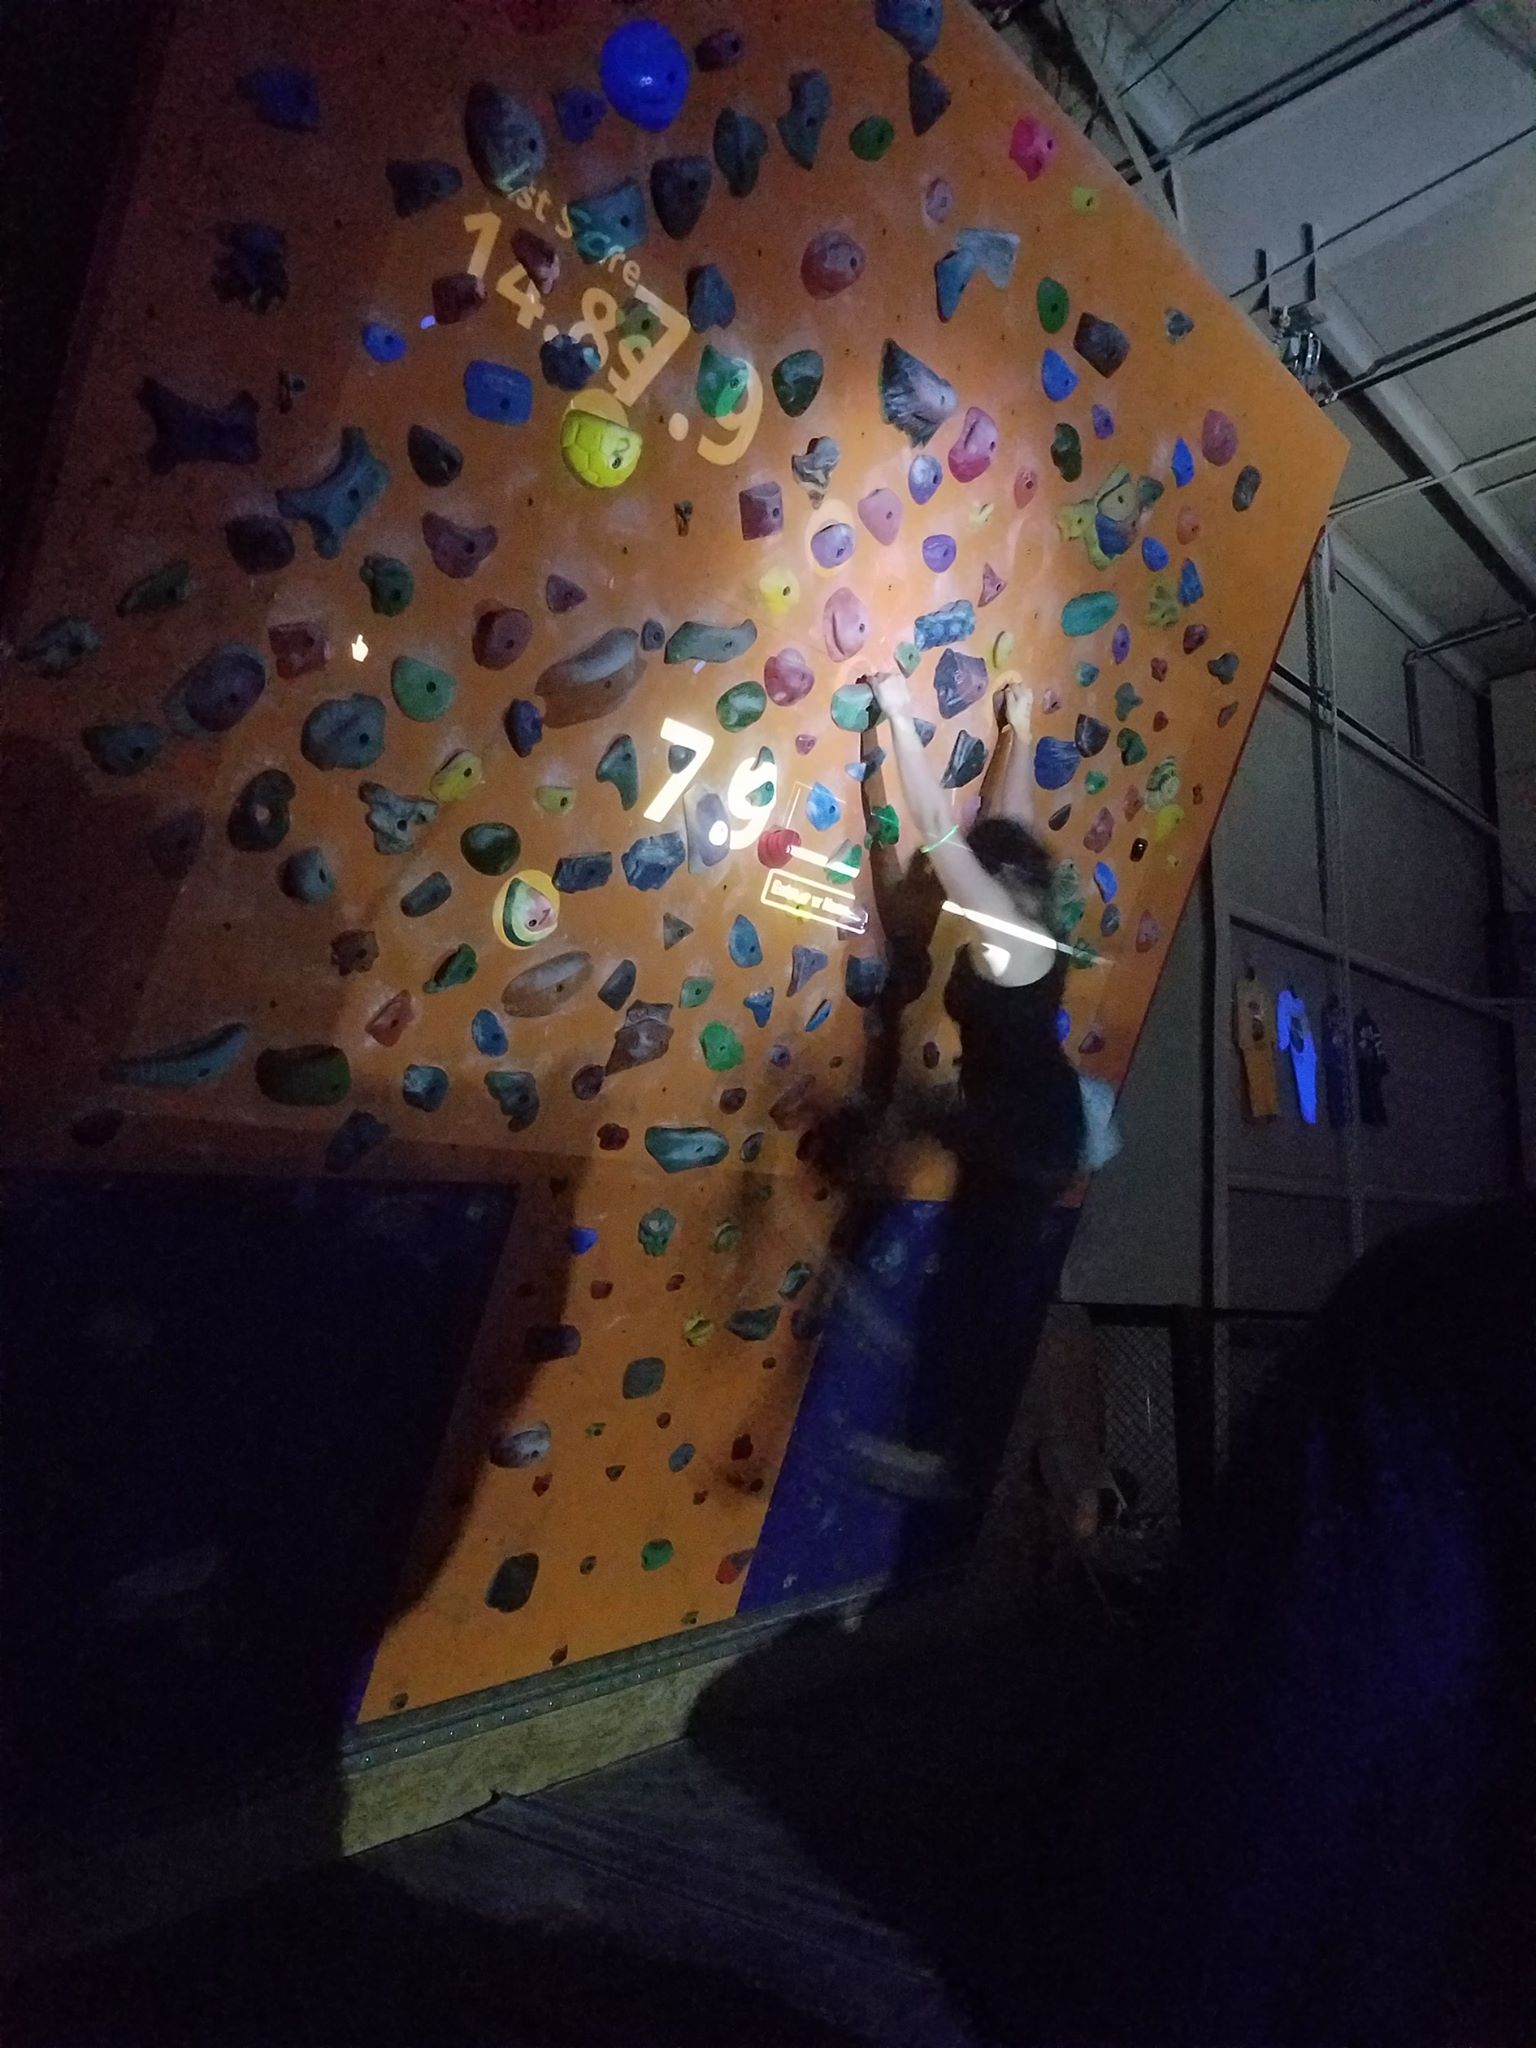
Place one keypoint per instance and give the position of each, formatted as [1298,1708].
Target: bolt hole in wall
[465,767]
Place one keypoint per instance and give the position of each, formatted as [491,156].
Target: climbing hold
[1154,554]
[258,818]
[754,1326]
[1191,589]
[501,635]
[567,364]
[1032,147]
[283,97]
[487,1034]
[1176,324]
[693,641]
[810,102]
[708,829]
[721,383]
[505,141]
[160,591]
[1162,605]
[967,758]
[429,894]
[871,138]
[619,986]
[1056,762]
[1058,379]
[938,201]
[524,725]
[299,648]
[215,693]
[1088,612]
[421,691]
[455,296]
[188,432]
[575,873]
[972,452]
[953,621]
[913,397]
[644,1036]
[653,636]
[927,97]
[814,468]
[721,1048]
[424,1087]
[540,990]
[1103,423]
[806,963]
[831,545]
[561,595]
[644,69]
[1126,700]
[743,944]
[525,911]
[677,1148]
[1133,748]
[390,584]
[595,680]
[344,732]
[992,585]
[1067,453]
[1246,488]
[303,1076]
[1195,637]
[516,1094]
[960,680]
[1223,668]
[578,112]
[796,381]
[884,825]
[740,706]
[259,544]
[853,707]
[1218,439]
[761,508]
[1100,832]
[183,1066]
[608,223]
[1182,463]
[459,775]
[711,302]
[512,1449]
[719,51]
[173,846]
[332,507]
[832,261]
[1101,344]
[924,475]
[306,876]
[355,1137]
[1148,932]
[417,186]
[844,624]
[652,862]
[457,550]
[880,513]
[389,1023]
[679,192]
[498,393]
[1091,736]
[620,766]
[787,676]
[740,143]
[643,1377]
[354,952]
[989,250]
[938,552]
[655,1554]
[598,451]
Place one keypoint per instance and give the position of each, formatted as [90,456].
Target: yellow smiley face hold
[525,910]
[600,447]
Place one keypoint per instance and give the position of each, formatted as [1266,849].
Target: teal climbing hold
[678,1148]
[183,1066]
[655,1230]
[743,944]
[1088,612]
[696,990]
[620,767]
[422,691]
[754,1325]
[643,1377]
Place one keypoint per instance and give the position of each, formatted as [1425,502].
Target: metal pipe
[1469,634]
[1385,493]
[1482,327]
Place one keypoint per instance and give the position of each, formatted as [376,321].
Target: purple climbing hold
[524,723]
[1218,439]
[831,545]
[1058,379]
[880,512]
[457,550]
[188,432]
[1056,762]
[938,552]
[1091,736]
[787,676]
[927,97]
[578,112]
[561,595]
[924,475]
[434,457]
[1101,344]
[959,681]
[1103,423]
[644,69]
[967,758]
[938,201]
[216,693]
[1120,645]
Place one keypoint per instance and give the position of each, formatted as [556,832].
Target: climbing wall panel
[496,453]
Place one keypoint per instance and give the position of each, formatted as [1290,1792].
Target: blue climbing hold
[806,962]
[760,1003]
[284,97]
[524,722]
[743,944]
[1087,673]
[1154,554]
[497,392]
[1056,762]
[1058,379]
[1191,589]
[819,1015]
[568,364]
[486,1030]
[580,1238]
[425,1087]
[653,861]
[644,69]
[822,808]
[1120,646]
[383,343]
[1112,535]
[924,475]
[578,112]
[1103,423]
[1063,1026]
[1182,463]
[863,979]
[1104,880]
[955,621]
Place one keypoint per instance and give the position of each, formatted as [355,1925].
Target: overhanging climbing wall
[475,500]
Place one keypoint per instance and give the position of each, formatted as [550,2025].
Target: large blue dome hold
[645,74]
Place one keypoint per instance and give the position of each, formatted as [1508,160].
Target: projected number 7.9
[748,781]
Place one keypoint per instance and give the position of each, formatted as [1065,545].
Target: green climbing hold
[722,382]
[491,849]
[390,584]
[1095,780]
[721,1048]
[1067,452]
[697,989]
[60,646]
[455,970]
[655,1554]
[1052,304]
[795,1279]
[884,825]
[871,138]
[655,1231]
[161,591]
[853,707]
[753,1325]
[422,691]
[643,1377]
[1088,612]
[303,1076]
[677,1148]
[743,704]
[907,656]
[1133,747]
[726,1237]
[621,767]
[797,379]
[698,1330]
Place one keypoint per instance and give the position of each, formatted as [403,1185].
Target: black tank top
[1021,1112]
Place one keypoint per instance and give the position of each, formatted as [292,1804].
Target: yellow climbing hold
[459,774]
[1084,199]
[1167,820]
[1002,654]
[598,451]
[981,514]
[779,590]
[698,1330]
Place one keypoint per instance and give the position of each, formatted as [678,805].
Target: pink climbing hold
[844,624]
[1032,147]
[992,585]
[1050,699]
[1100,832]
[938,201]
[1189,524]
[787,676]
[880,510]
[1025,485]
[805,743]
[972,454]
[1218,438]
[538,258]
[832,261]
[1148,932]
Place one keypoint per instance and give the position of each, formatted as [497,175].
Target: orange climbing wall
[644,1511]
